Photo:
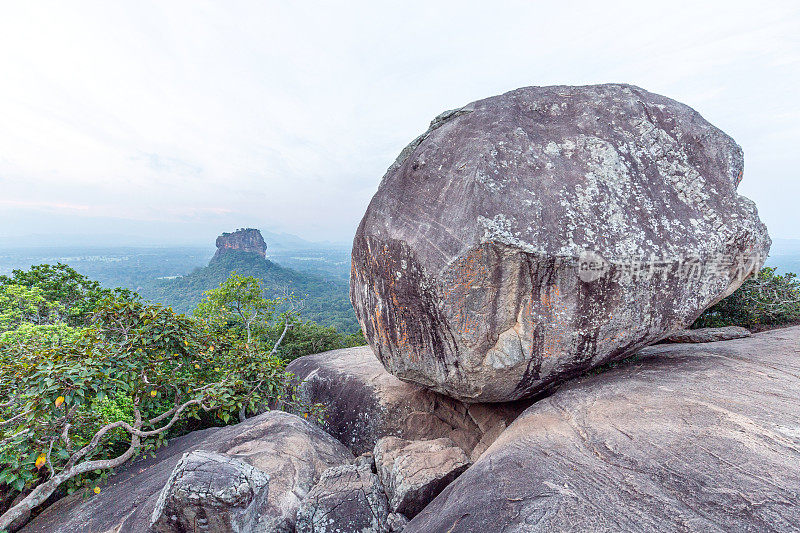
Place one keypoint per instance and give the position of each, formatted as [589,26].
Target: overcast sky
[174,121]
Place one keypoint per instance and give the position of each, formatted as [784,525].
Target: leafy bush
[309,337]
[764,300]
[60,288]
[78,401]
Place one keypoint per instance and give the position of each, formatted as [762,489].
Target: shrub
[75,403]
[63,294]
[766,299]
[309,337]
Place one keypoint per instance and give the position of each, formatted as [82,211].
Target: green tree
[20,304]
[765,299]
[309,337]
[239,304]
[76,403]
[60,285]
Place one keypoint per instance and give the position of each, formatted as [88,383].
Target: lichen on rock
[467,274]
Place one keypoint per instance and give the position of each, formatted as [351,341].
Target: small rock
[708,335]
[414,472]
[211,492]
[347,498]
[396,522]
[294,453]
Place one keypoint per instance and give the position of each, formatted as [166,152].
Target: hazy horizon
[170,123]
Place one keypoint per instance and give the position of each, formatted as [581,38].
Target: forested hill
[327,300]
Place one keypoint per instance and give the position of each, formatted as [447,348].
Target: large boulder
[211,492]
[414,472]
[364,403]
[682,438]
[290,451]
[530,236]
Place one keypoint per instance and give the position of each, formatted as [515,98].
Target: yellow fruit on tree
[59,401]
[40,461]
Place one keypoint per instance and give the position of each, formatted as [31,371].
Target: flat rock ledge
[708,335]
[286,449]
[681,438]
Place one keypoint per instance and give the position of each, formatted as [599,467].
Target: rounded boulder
[528,237]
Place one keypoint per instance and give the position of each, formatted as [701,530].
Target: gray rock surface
[396,522]
[708,334]
[291,451]
[294,453]
[347,498]
[681,438]
[366,403]
[530,236]
[211,492]
[414,472]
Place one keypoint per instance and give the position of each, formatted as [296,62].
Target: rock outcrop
[364,403]
[346,498]
[414,472]
[682,438]
[209,491]
[708,334]
[241,240]
[530,236]
[290,451]
[294,454]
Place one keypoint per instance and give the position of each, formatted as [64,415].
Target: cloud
[43,206]
[285,115]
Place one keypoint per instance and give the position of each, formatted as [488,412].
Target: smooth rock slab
[364,403]
[682,438]
[708,335]
[211,492]
[528,237]
[414,472]
[347,498]
[291,451]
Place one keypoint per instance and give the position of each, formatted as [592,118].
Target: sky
[169,122]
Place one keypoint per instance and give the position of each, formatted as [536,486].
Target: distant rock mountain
[326,299]
[242,240]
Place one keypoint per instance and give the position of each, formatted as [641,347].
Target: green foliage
[766,299]
[309,337]
[326,301]
[24,305]
[30,337]
[70,394]
[239,303]
[62,288]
